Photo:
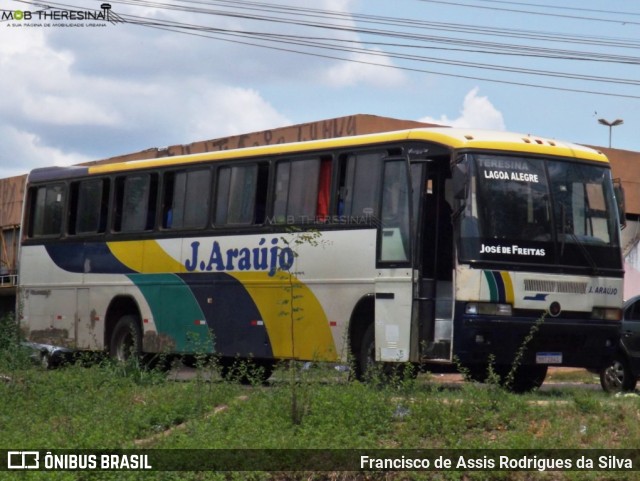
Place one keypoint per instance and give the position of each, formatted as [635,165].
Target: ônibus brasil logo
[105,14]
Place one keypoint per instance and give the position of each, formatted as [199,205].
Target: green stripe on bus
[178,318]
[493,287]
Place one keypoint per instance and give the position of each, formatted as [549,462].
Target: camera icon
[23,460]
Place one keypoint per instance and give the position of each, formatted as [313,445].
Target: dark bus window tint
[296,197]
[359,192]
[47,208]
[236,195]
[135,203]
[91,206]
[186,199]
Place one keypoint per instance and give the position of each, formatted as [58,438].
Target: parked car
[623,373]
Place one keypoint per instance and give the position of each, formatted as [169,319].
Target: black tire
[126,339]
[525,379]
[476,373]
[365,359]
[617,377]
[528,378]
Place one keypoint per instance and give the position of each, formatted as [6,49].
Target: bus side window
[135,202]
[296,196]
[394,241]
[47,206]
[358,193]
[236,195]
[88,207]
[186,197]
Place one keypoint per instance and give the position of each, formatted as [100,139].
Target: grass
[98,407]
[107,406]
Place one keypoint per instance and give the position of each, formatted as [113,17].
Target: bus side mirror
[459,181]
[618,191]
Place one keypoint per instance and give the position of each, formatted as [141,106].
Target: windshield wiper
[579,243]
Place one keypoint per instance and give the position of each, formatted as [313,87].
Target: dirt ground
[455,377]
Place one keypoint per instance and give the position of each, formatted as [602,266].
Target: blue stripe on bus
[233,317]
[80,257]
[203,313]
[500,284]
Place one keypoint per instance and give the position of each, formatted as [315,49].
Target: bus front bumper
[584,343]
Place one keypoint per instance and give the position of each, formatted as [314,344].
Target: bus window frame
[262,167]
[74,191]
[162,206]
[117,206]
[382,263]
[32,206]
[298,219]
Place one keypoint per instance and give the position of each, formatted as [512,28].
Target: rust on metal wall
[53,336]
[11,194]
[324,129]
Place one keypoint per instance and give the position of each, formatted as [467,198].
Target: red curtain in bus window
[324,186]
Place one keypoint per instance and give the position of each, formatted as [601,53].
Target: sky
[164,72]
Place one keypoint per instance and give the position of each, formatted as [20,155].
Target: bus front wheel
[365,359]
[367,369]
[126,339]
[526,378]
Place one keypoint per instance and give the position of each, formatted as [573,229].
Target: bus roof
[453,138]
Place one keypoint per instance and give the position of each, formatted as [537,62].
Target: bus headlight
[488,309]
[607,313]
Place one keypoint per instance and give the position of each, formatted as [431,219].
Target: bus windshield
[553,213]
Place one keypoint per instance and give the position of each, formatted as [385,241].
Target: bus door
[394,274]
[433,321]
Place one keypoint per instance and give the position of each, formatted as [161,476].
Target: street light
[611,125]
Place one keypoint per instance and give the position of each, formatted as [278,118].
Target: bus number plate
[548,358]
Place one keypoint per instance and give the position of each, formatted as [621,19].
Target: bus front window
[584,211]
[549,213]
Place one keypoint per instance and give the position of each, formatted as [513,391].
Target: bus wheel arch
[122,311]
[360,333]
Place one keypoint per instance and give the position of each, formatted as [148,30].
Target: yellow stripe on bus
[145,256]
[508,287]
[274,297]
[452,138]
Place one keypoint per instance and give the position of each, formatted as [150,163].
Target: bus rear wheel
[126,339]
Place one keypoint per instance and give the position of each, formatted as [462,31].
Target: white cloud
[23,151]
[60,110]
[360,69]
[222,110]
[477,112]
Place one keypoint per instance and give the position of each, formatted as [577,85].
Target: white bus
[426,245]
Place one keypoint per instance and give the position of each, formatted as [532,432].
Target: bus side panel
[46,299]
[337,269]
[232,295]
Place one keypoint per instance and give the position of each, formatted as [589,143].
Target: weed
[13,354]
[511,382]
